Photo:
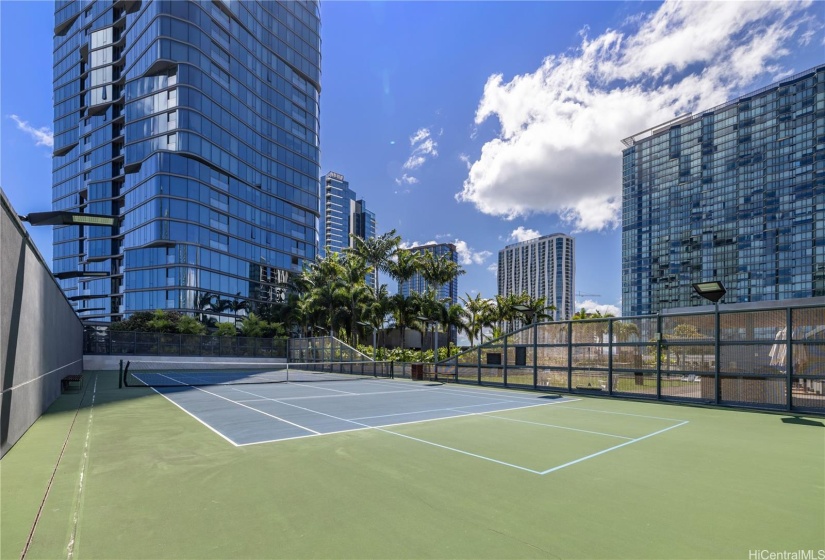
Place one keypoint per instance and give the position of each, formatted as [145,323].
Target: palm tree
[438,270]
[355,290]
[377,251]
[405,266]
[475,308]
[537,309]
[454,318]
[236,305]
[378,307]
[405,312]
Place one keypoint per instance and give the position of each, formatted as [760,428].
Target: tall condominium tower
[541,267]
[196,123]
[418,285]
[344,215]
[733,194]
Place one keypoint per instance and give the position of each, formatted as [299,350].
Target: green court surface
[124,473]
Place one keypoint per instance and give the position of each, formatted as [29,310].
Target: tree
[189,325]
[254,326]
[405,265]
[377,251]
[454,318]
[475,309]
[226,329]
[405,311]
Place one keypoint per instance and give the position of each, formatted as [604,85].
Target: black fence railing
[168,344]
[766,358]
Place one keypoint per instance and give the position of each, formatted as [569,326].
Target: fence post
[658,352]
[478,361]
[789,353]
[504,365]
[570,356]
[610,357]
[535,355]
[717,355]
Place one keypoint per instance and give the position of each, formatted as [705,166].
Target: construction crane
[580,294]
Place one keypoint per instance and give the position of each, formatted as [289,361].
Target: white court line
[237,403]
[343,393]
[452,408]
[488,415]
[368,427]
[554,469]
[305,397]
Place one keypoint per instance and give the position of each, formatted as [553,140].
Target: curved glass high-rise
[197,124]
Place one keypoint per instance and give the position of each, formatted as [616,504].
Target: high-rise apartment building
[418,285]
[733,194]
[541,267]
[344,215]
[197,124]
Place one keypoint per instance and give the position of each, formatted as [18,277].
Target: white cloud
[423,148]
[465,254]
[43,136]
[604,308]
[493,268]
[559,151]
[521,234]
[406,180]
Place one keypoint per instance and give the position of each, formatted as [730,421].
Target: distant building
[344,214]
[541,267]
[448,291]
[734,194]
[418,285]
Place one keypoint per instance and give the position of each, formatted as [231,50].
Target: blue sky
[477,123]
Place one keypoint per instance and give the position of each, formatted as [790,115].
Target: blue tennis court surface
[251,414]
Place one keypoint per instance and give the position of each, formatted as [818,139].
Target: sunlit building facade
[344,215]
[196,123]
[735,194]
[541,267]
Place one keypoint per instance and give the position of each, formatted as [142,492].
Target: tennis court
[390,468]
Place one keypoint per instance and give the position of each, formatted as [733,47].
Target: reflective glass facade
[735,194]
[344,215]
[197,124]
[542,267]
[418,285]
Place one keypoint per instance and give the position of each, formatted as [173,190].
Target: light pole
[713,291]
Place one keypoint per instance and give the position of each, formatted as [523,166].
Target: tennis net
[178,374]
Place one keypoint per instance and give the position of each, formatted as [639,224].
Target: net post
[120,376]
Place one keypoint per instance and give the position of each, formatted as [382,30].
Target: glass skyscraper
[197,124]
[735,194]
[344,215]
[541,267]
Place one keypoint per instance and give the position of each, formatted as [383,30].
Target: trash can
[417,372]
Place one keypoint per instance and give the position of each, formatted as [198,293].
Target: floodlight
[711,291]
[81,274]
[61,218]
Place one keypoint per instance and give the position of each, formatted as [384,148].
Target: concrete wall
[41,337]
